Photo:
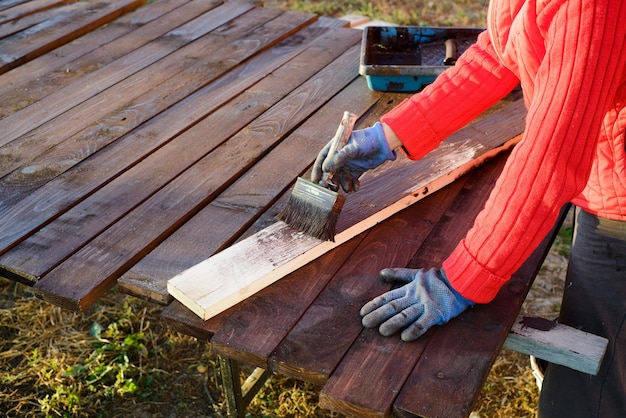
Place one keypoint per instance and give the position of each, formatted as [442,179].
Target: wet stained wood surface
[138,139]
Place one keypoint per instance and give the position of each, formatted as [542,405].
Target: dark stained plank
[22,216]
[16,50]
[114,74]
[173,205]
[42,252]
[48,15]
[442,384]
[48,73]
[5,4]
[370,359]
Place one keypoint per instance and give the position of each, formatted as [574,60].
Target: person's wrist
[385,151]
[392,139]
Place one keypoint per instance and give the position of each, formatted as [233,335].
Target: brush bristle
[306,212]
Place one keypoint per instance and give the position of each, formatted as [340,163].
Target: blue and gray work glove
[366,149]
[425,299]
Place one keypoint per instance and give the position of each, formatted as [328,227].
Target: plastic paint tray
[407,58]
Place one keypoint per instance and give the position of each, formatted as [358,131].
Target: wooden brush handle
[339,141]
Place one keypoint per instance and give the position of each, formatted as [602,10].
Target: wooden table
[132,151]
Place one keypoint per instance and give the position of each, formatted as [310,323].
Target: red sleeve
[457,96]
[574,86]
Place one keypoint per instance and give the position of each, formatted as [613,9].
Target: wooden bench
[134,150]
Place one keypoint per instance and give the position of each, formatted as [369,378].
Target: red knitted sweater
[570,58]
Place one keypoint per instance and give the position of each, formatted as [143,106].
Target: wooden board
[16,50]
[241,270]
[557,343]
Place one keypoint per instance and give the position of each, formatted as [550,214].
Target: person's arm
[575,84]
[475,83]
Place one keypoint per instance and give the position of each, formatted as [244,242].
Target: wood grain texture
[560,344]
[375,202]
[17,50]
[111,253]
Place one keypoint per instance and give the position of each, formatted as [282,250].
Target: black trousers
[594,301]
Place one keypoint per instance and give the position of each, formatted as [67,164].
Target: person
[569,56]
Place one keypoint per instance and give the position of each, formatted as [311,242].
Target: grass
[120,360]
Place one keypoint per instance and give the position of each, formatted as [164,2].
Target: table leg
[238,396]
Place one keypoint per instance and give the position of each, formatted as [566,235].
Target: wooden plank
[107,256]
[445,384]
[114,74]
[260,260]
[48,73]
[48,15]
[5,4]
[557,343]
[19,205]
[128,190]
[22,10]
[17,50]
[373,358]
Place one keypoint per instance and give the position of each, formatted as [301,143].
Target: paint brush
[314,208]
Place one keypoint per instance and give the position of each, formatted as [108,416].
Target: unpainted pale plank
[17,50]
[48,73]
[107,256]
[412,181]
[557,343]
[119,196]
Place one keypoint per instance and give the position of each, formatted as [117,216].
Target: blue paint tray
[407,58]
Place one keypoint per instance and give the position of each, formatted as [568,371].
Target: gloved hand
[426,299]
[366,149]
